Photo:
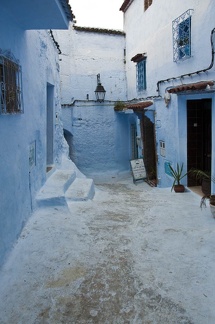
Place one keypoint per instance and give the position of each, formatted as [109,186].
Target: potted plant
[177,175]
[212,205]
[206,179]
[119,106]
[211,199]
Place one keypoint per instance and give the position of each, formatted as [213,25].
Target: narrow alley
[133,254]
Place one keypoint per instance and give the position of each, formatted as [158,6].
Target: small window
[182,36]
[141,75]
[10,86]
[147,3]
[140,60]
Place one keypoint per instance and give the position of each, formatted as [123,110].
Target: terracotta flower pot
[212,205]
[179,188]
[212,208]
[212,200]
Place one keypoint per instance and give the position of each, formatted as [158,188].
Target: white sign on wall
[138,169]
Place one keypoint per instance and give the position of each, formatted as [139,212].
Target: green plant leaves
[177,174]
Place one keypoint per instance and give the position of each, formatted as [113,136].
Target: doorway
[199,137]
[149,145]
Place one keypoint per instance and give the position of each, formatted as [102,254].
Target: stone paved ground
[134,254]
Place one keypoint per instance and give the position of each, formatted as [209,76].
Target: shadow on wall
[69,138]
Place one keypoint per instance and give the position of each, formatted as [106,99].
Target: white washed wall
[100,137]
[86,54]
[150,32]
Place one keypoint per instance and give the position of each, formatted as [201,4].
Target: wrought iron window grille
[10,84]
[181,31]
[141,75]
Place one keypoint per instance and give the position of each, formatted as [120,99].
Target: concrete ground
[133,254]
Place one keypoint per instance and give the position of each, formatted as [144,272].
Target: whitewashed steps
[63,185]
[53,191]
[81,189]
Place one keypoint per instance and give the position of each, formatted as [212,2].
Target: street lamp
[100,91]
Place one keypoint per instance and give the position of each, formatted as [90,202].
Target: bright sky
[98,13]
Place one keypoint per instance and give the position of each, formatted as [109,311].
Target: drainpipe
[196,72]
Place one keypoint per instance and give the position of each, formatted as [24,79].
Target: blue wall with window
[141,75]
[32,56]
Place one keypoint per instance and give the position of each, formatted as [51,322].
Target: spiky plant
[177,174]
[201,175]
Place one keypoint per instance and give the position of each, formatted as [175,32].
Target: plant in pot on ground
[178,175]
[205,179]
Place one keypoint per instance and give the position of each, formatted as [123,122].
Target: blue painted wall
[19,182]
[101,138]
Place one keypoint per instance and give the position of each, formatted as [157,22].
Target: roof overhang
[139,106]
[202,85]
[138,57]
[125,5]
[99,30]
[39,14]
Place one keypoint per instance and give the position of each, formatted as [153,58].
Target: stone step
[81,189]
[53,191]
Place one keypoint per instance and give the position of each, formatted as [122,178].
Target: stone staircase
[64,186]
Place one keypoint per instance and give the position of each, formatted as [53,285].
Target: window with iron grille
[140,60]
[141,75]
[10,85]
[147,3]
[181,28]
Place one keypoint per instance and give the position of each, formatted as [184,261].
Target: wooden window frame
[147,4]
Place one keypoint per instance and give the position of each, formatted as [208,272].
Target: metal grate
[10,86]
[141,75]
[181,30]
